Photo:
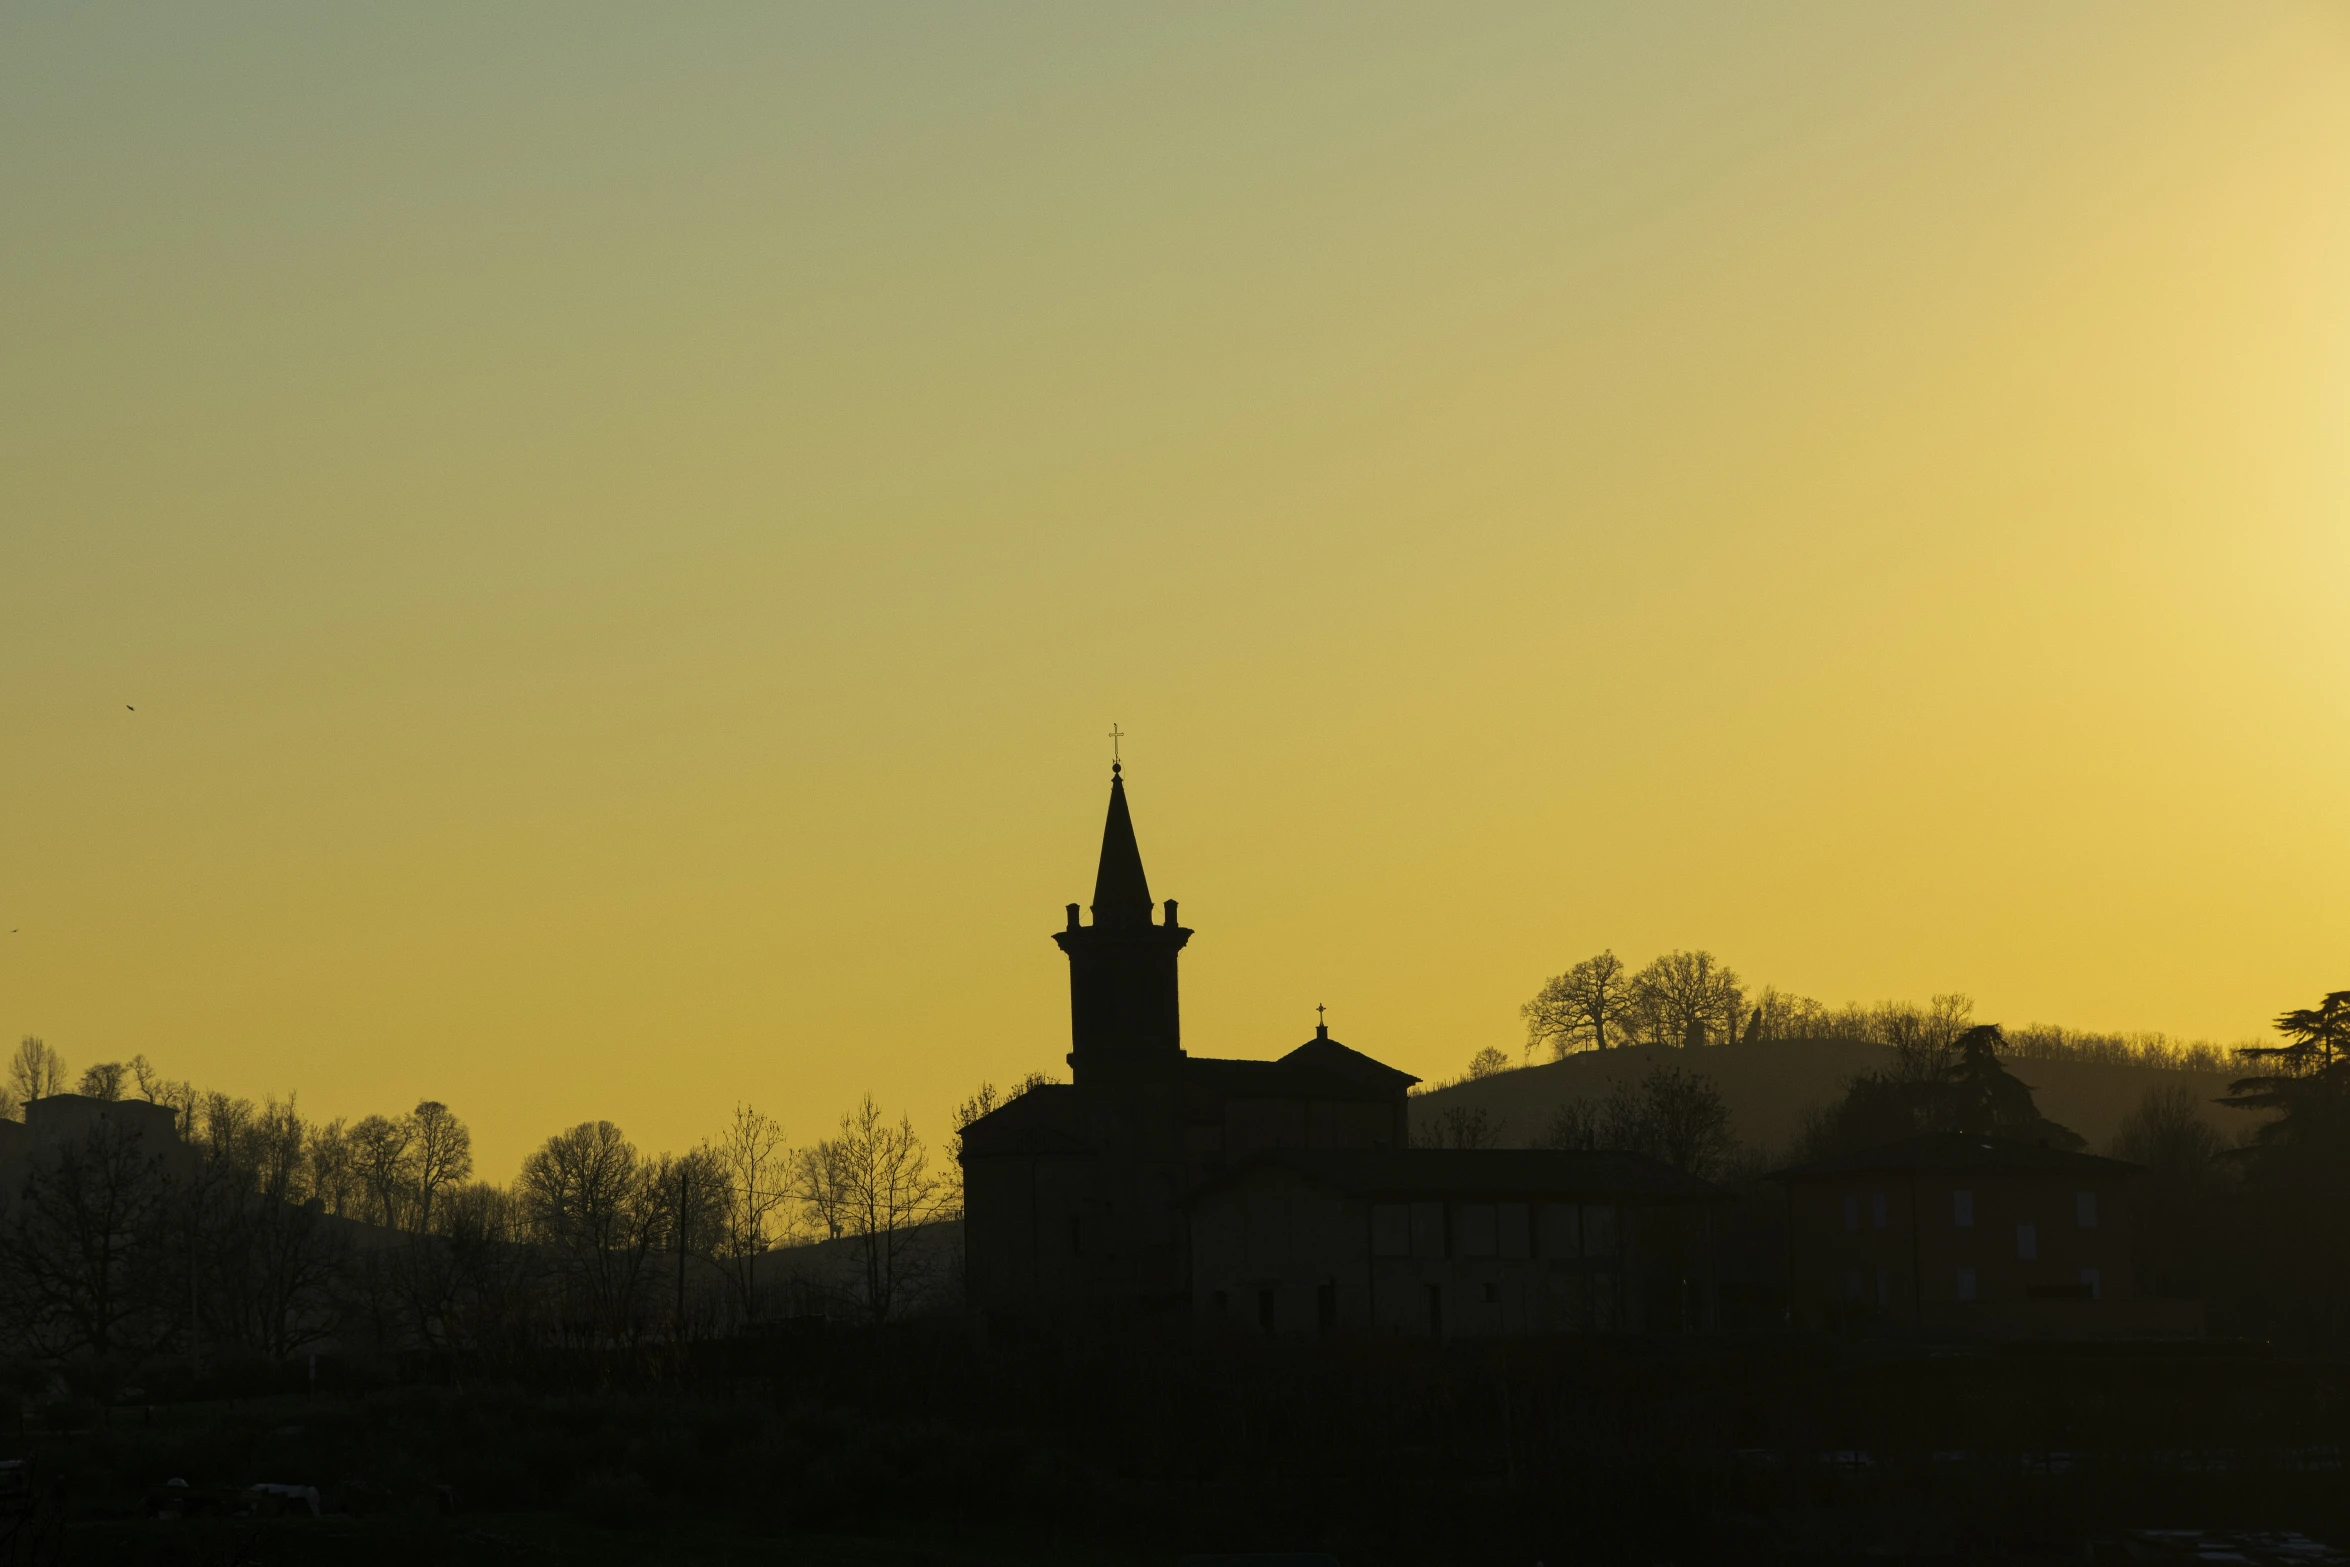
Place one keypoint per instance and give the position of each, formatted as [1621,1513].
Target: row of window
[1493,1229]
[1962,1210]
[2091,1286]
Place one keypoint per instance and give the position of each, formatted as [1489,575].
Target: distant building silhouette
[56,1124]
[55,1120]
[1158,1177]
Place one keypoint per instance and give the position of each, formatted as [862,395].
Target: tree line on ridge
[1693,1000]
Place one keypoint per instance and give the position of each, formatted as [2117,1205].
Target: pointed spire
[1121,895]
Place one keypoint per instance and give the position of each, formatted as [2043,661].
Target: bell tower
[1125,1022]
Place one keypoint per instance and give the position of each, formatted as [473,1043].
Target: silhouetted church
[1074,1191]
[1105,1188]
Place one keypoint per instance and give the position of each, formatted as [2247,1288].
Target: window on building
[2085,1210]
[1852,1211]
[2027,1243]
[1477,1229]
[1877,1210]
[1436,1311]
[1223,1303]
[1427,1229]
[1966,1284]
[1962,1209]
[1265,1310]
[1884,1288]
[1391,1230]
[1599,1230]
[1852,1287]
[2096,1284]
[1326,1308]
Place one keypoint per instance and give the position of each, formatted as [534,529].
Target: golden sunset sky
[626,527]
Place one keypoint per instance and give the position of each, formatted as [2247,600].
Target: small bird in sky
[126,707]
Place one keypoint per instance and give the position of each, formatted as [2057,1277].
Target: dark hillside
[1771,1085]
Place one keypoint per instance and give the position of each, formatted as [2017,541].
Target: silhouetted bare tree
[497,1306]
[1584,1007]
[102,1080]
[691,1197]
[382,1153]
[1688,999]
[334,1174]
[441,1154]
[1781,1015]
[1684,1121]
[267,1263]
[1925,1040]
[35,1071]
[820,1184]
[1670,1115]
[588,1199]
[888,1191]
[758,1181]
[1465,1126]
[155,1088]
[82,1271]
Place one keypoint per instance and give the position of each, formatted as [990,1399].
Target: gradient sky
[626,527]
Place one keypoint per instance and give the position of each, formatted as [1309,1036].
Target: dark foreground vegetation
[936,1444]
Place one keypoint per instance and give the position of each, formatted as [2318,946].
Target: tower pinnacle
[1124,1015]
[1121,893]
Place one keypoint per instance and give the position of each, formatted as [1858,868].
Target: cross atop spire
[1321,1021]
[1116,734]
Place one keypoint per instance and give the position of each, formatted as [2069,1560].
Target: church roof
[1282,1079]
[1229,1079]
[1044,1120]
[1326,1053]
[1321,1068]
[1959,1151]
[1496,1174]
[1121,894]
